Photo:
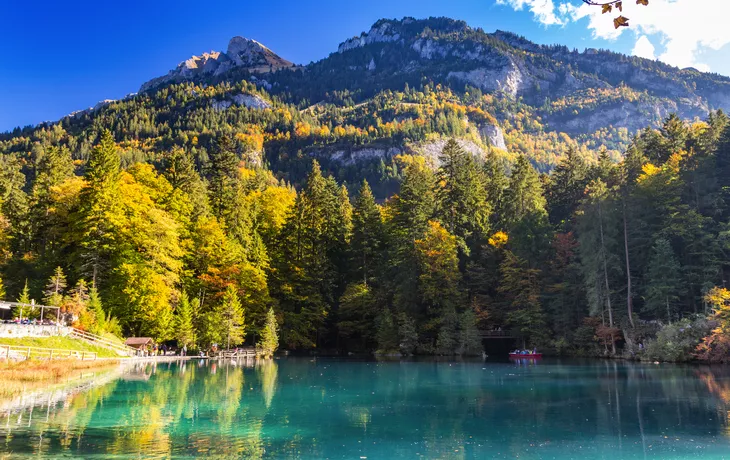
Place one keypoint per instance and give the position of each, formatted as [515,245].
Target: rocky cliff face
[450,52]
[242,53]
[503,62]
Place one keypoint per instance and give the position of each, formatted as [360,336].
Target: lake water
[328,408]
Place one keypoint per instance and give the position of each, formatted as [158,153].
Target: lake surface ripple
[330,408]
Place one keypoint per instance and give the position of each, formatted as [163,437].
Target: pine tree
[55,288]
[367,236]
[184,330]
[54,167]
[387,333]
[520,287]
[496,185]
[269,336]
[598,250]
[223,179]
[305,266]
[664,282]
[95,306]
[24,310]
[357,315]
[231,316]
[470,341]
[14,203]
[408,335]
[461,196]
[566,189]
[524,194]
[447,342]
[98,201]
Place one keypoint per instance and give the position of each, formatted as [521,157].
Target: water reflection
[302,408]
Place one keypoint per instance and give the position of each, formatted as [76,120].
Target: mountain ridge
[450,51]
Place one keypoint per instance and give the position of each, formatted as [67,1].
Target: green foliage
[663,282]
[230,318]
[462,196]
[387,334]
[269,336]
[470,341]
[447,342]
[408,335]
[184,329]
[178,197]
[677,342]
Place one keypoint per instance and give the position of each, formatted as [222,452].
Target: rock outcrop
[242,53]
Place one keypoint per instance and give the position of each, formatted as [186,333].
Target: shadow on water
[337,408]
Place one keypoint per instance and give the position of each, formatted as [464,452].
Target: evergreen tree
[223,179]
[566,188]
[55,288]
[496,185]
[368,235]
[439,276]
[447,342]
[98,203]
[230,315]
[269,336]
[96,308]
[357,315]
[524,194]
[184,330]
[461,196]
[408,335]
[54,167]
[14,203]
[387,333]
[521,290]
[664,283]
[598,251]
[24,310]
[470,341]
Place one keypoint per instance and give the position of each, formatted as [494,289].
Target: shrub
[677,342]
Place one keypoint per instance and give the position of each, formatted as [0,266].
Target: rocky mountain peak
[242,53]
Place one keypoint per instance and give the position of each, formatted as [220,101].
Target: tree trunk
[629,300]
[605,276]
[605,267]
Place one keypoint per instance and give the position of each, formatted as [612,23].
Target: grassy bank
[65,343]
[17,377]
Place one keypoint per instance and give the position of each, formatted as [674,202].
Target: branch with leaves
[608,6]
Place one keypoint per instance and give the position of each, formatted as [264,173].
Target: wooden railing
[233,354]
[103,342]
[499,334]
[44,353]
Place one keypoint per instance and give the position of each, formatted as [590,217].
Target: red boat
[530,356]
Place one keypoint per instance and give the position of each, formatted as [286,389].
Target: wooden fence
[20,352]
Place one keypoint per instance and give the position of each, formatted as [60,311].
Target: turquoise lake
[328,408]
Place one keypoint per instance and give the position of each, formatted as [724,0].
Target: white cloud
[684,28]
[644,48]
[543,10]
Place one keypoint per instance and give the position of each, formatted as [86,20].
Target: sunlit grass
[17,377]
[65,343]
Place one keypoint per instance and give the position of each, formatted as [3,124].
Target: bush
[677,342]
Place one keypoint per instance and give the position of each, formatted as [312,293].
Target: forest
[596,258]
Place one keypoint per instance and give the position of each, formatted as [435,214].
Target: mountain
[242,53]
[608,88]
[404,86]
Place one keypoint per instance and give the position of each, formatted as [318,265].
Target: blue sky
[59,57]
